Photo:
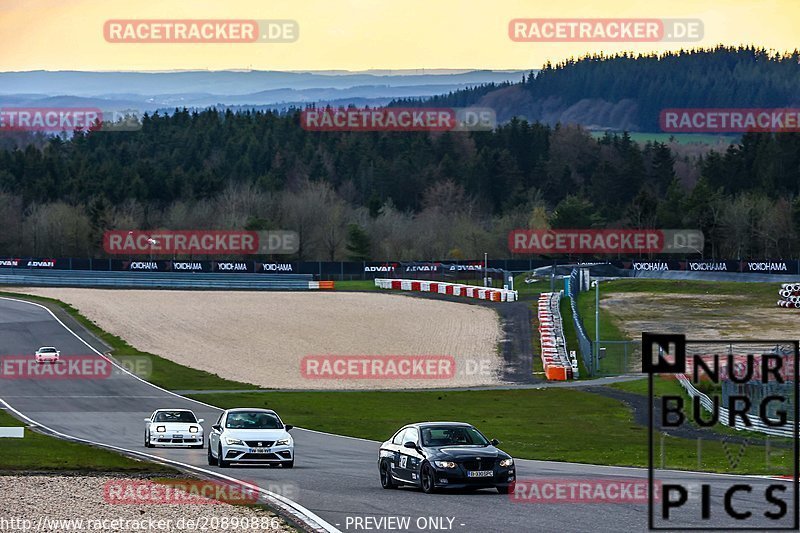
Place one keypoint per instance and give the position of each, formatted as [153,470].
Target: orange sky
[361,34]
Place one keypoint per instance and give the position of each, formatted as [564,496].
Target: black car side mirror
[411,445]
[494,442]
[287,427]
[216,427]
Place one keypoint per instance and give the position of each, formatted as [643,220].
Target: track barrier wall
[432,270]
[575,286]
[164,280]
[452,289]
[557,364]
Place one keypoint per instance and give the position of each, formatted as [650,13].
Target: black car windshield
[247,420]
[175,416]
[452,436]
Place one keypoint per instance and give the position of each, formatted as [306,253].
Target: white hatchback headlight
[193,429]
[234,442]
[283,442]
[161,429]
[507,462]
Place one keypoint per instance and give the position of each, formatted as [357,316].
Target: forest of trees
[399,196]
[720,77]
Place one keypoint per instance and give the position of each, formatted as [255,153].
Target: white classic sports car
[173,427]
[47,354]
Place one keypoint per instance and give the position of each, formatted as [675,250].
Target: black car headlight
[507,462]
[445,464]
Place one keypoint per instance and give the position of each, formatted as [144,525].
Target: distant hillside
[627,92]
[149,91]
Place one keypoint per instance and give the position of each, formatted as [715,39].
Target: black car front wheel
[220,461]
[427,479]
[386,475]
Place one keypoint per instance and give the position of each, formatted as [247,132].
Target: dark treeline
[391,195]
[718,77]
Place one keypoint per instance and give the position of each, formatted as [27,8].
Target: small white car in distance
[249,435]
[173,427]
[47,354]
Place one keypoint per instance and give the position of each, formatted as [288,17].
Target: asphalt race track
[334,477]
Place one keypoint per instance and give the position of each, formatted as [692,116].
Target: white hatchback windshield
[252,420]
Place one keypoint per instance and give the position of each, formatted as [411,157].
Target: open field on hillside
[262,337]
[701,310]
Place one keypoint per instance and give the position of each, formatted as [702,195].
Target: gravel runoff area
[101,503]
[263,338]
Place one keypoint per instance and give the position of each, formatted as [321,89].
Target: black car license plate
[480,473]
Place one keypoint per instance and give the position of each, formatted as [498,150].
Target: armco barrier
[454,289]
[785,430]
[159,280]
[584,344]
[556,362]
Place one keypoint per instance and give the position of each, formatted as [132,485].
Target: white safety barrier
[557,364]
[786,430]
[454,289]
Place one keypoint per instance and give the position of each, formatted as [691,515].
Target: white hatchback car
[47,354]
[249,435]
[173,427]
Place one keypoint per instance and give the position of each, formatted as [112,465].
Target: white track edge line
[301,509]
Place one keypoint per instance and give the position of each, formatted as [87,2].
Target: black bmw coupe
[438,455]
